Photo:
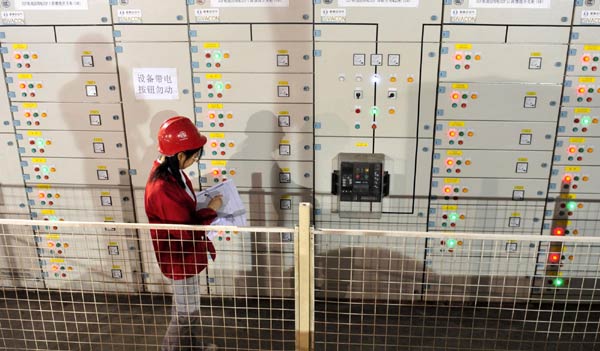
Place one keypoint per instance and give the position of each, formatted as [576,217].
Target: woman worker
[181,254]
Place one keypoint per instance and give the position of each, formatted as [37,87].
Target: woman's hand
[216,202]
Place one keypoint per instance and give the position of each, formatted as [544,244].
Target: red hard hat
[178,134]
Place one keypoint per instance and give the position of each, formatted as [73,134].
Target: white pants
[186,295]
[184,329]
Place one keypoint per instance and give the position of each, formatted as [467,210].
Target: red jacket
[180,253]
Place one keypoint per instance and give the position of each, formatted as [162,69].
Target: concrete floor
[32,320]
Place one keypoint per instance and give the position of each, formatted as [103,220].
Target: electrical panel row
[544,12]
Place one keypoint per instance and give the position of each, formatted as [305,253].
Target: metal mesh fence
[98,286]
[435,291]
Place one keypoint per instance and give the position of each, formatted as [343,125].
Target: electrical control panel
[278,11]
[148,11]
[544,12]
[473,101]
[12,194]
[90,88]
[64,116]
[453,116]
[25,13]
[235,117]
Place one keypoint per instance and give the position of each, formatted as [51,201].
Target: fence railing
[98,286]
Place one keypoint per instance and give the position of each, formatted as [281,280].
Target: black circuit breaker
[360,178]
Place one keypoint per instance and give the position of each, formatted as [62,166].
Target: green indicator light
[451,243]
[217,55]
[558,282]
[465,96]
[584,68]
[40,142]
[220,115]
[586,120]
[45,169]
[453,217]
[375,110]
[208,65]
[590,90]
[210,95]
[457,66]
[596,58]
[579,99]
[357,126]
[454,105]
[219,86]
[212,125]
[571,205]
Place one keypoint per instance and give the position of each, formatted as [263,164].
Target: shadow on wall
[370,273]
[367,273]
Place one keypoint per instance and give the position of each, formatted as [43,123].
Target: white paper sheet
[232,213]
[232,202]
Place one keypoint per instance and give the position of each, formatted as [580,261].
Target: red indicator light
[567,178]
[447,189]
[558,231]
[581,90]
[452,133]
[572,149]
[554,257]
[450,162]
